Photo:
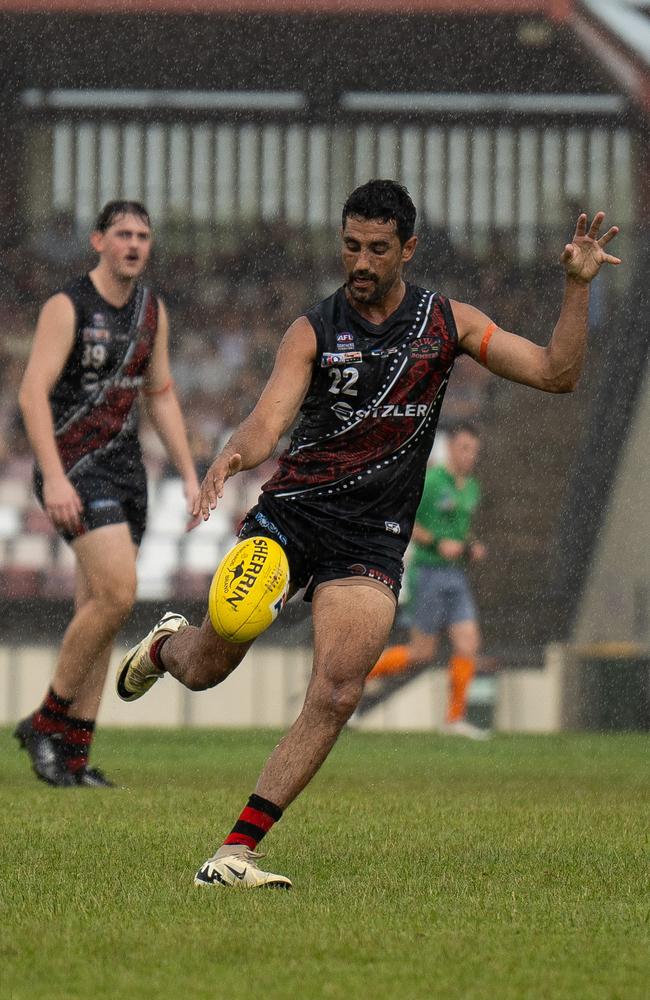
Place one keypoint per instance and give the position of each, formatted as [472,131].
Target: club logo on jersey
[329,358]
[425,349]
[393,527]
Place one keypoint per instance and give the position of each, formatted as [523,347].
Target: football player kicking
[365,371]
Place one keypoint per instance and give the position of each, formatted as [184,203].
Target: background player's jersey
[94,401]
[446,510]
[368,421]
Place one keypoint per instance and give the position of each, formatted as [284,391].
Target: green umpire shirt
[446,510]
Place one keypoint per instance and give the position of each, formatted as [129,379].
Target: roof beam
[555,9]
[606,29]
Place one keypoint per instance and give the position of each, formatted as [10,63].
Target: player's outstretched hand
[582,259]
[211,490]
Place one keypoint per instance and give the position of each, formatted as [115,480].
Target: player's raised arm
[557,366]
[257,436]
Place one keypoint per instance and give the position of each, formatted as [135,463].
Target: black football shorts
[321,548]
[106,500]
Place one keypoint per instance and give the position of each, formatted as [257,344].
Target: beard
[373,292]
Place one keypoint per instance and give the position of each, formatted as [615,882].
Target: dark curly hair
[385,200]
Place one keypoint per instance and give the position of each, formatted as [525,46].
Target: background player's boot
[235,865]
[461,727]
[137,672]
[44,750]
[92,777]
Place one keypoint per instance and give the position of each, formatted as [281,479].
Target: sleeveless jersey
[359,451]
[94,401]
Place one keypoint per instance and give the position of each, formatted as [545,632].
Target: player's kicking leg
[250,585]
[197,657]
[345,648]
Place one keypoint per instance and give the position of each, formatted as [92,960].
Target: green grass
[423,867]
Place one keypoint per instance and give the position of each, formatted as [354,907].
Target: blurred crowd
[229,305]
[230,298]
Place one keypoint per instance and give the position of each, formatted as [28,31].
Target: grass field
[423,867]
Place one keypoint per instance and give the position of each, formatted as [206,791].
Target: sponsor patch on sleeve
[329,358]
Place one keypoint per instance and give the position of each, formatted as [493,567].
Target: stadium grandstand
[242,125]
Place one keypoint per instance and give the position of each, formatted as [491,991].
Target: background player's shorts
[320,548]
[440,597]
[106,501]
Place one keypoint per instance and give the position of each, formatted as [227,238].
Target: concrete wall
[268,689]
[615,605]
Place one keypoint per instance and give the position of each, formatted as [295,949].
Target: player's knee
[469,646]
[116,597]
[211,665]
[201,679]
[423,649]
[339,700]
[468,651]
[203,676]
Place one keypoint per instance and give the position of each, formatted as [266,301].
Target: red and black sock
[52,716]
[76,743]
[156,648]
[255,821]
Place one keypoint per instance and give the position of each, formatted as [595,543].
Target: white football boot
[235,865]
[136,672]
[461,727]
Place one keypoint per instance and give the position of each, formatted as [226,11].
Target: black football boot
[92,777]
[45,753]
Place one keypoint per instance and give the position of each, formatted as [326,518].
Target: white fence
[467,176]
[268,689]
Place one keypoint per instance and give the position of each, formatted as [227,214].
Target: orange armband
[159,392]
[487,337]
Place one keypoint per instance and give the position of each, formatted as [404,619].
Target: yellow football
[249,589]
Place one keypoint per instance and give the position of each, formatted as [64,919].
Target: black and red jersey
[359,451]
[94,401]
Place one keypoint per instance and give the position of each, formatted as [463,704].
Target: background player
[440,597]
[99,344]
[366,369]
